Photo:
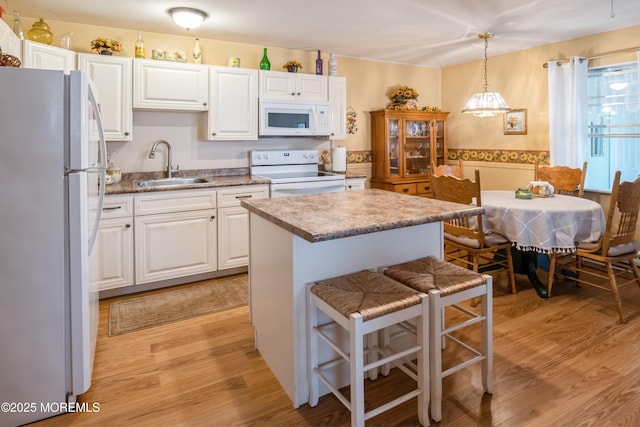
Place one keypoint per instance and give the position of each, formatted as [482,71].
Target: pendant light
[485,103]
[187,17]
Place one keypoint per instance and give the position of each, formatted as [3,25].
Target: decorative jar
[40,32]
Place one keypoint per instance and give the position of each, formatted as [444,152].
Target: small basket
[7,60]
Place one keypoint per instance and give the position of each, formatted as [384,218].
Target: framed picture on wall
[515,122]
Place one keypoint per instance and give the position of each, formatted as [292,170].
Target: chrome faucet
[152,155]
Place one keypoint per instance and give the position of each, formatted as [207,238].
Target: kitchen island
[301,239]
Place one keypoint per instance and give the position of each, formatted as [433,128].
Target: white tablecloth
[550,224]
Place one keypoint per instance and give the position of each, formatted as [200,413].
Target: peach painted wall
[522,81]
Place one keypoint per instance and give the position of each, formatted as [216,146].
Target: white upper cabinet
[170,85]
[293,86]
[338,100]
[112,76]
[9,42]
[38,55]
[233,109]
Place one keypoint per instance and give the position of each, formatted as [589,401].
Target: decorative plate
[412,129]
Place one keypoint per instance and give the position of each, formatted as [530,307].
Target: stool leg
[435,353]
[423,364]
[356,360]
[373,341]
[385,339]
[487,337]
[312,349]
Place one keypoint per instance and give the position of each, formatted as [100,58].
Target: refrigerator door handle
[102,167]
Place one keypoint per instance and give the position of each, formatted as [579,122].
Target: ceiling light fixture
[485,103]
[187,17]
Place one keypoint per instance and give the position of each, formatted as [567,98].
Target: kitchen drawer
[355,184]
[117,207]
[424,189]
[405,188]
[174,201]
[233,196]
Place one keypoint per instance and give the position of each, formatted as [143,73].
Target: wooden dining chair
[565,180]
[613,256]
[465,242]
[448,170]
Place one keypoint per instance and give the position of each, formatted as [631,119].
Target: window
[614,125]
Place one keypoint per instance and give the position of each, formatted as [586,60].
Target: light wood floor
[564,361]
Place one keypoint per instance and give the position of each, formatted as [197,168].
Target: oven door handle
[307,187]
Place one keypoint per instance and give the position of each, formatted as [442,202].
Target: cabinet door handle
[127,226]
[126,134]
[213,133]
[204,104]
[405,190]
[111,208]
[244,197]
[213,217]
[293,94]
[298,94]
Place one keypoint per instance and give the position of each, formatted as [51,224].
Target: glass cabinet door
[394,146]
[439,140]
[417,147]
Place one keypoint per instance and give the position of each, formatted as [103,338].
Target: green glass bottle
[265,64]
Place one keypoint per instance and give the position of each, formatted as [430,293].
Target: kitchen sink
[170,181]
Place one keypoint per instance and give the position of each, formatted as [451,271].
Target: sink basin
[170,181]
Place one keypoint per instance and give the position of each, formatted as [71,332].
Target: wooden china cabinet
[403,145]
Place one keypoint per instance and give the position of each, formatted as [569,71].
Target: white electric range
[294,172]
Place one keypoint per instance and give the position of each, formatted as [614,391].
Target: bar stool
[447,285]
[362,304]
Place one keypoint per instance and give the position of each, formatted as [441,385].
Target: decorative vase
[40,32]
[106,52]
[292,69]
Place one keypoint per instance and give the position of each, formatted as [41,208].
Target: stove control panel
[283,157]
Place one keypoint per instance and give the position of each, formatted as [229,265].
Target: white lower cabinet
[111,261]
[175,245]
[233,224]
[175,234]
[152,237]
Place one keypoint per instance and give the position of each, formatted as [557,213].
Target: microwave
[294,118]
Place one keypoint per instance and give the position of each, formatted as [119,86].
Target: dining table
[541,225]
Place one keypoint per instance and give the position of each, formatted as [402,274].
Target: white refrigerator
[52,164]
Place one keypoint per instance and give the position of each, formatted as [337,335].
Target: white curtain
[638,62]
[568,112]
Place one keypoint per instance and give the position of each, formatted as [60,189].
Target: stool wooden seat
[362,304]
[447,285]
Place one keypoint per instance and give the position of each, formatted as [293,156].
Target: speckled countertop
[214,177]
[327,216]
[350,174]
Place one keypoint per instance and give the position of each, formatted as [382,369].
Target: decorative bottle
[265,64]
[139,46]
[333,65]
[17,25]
[197,53]
[319,64]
